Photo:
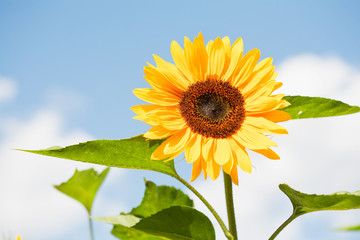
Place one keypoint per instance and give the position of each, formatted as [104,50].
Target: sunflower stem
[207,204]
[230,205]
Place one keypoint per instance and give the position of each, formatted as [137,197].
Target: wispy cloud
[8,89]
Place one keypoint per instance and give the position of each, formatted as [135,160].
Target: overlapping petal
[156,97]
[173,146]
[154,115]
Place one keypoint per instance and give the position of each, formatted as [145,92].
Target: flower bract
[214,103]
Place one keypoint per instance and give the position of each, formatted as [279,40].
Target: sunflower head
[213,103]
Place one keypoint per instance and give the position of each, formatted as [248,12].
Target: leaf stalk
[207,204]
[91,228]
[289,220]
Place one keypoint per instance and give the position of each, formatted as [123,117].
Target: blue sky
[71,67]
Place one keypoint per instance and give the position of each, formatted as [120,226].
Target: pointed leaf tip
[306,203]
[314,107]
[83,186]
[157,198]
[131,153]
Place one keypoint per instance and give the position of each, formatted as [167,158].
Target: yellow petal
[222,151]
[153,96]
[168,117]
[257,80]
[261,83]
[264,90]
[173,146]
[158,132]
[266,126]
[268,153]
[207,147]
[208,46]
[245,68]
[179,58]
[243,141]
[196,170]
[229,165]
[172,73]
[198,165]
[264,63]
[216,63]
[277,85]
[250,135]
[227,46]
[188,51]
[264,104]
[284,104]
[173,124]
[236,54]
[241,156]
[234,175]
[199,59]
[213,169]
[193,148]
[159,82]
[275,116]
[143,109]
[227,49]
[196,57]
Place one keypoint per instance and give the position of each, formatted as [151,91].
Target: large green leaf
[174,223]
[157,198]
[83,186]
[305,203]
[164,213]
[315,107]
[125,153]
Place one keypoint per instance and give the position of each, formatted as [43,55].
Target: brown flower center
[213,108]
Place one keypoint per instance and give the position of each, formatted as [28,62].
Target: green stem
[207,204]
[289,220]
[91,228]
[230,204]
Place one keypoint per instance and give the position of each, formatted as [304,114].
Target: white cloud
[7,89]
[312,75]
[29,204]
[318,156]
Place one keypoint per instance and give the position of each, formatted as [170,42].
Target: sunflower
[213,103]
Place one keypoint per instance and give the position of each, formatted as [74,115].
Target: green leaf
[126,220]
[315,107]
[306,203]
[174,223]
[157,198]
[125,153]
[164,213]
[351,228]
[83,186]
